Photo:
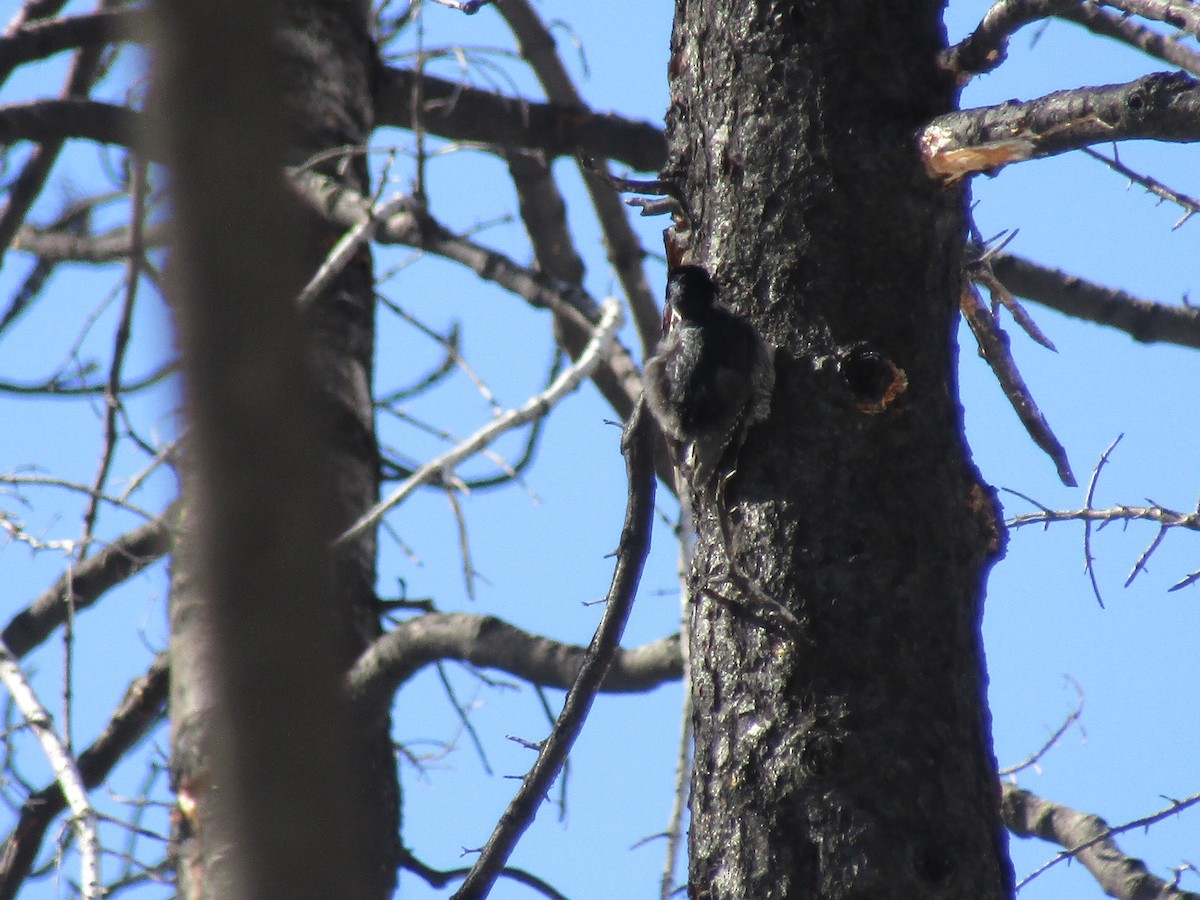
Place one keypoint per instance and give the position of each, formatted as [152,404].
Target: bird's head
[691,291]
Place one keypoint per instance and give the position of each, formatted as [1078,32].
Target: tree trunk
[842,733]
[323,57]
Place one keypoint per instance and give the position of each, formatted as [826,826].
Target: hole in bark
[935,865]
[874,380]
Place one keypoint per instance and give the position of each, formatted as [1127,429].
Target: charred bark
[842,732]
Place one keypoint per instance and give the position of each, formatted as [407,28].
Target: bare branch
[1151,42]
[58,120]
[1089,561]
[88,581]
[1090,840]
[66,772]
[1183,15]
[624,248]
[1033,758]
[544,213]
[25,188]
[568,381]
[351,242]
[1168,518]
[1190,205]
[993,346]
[1164,106]
[439,878]
[41,39]
[492,643]
[987,46]
[138,711]
[638,446]
[64,245]
[1143,320]
[459,112]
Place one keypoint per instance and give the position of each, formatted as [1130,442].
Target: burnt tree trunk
[842,732]
[271,488]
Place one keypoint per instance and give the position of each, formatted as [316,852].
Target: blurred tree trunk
[842,733]
[271,488]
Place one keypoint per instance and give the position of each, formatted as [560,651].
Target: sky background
[541,552]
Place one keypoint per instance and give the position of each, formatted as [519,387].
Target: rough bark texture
[842,732]
[325,60]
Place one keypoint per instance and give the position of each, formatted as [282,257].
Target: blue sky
[541,560]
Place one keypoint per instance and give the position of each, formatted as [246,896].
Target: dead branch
[1032,760]
[67,779]
[1167,518]
[1185,16]
[62,245]
[40,39]
[993,346]
[1164,106]
[439,878]
[1190,205]
[1143,320]
[88,581]
[624,248]
[492,643]
[138,711]
[637,444]
[1151,42]
[458,112]
[46,121]
[1088,838]
[536,407]
[986,47]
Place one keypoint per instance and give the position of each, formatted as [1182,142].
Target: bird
[710,379]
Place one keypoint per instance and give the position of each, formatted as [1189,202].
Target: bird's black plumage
[711,377]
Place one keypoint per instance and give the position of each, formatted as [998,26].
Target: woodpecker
[711,378]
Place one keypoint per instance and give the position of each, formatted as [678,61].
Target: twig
[686,535]
[470,7]
[453,486]
[980,271]
[1167,517]
[1145,557]
[1032,760]
[1190,205]
[1143,320]
[638,446]
[993,346]
[66,773]
[51,481]
[1088,559]
[437,878]
[464,717]
[683,777]
[344,250]
[568,381]
[112,388]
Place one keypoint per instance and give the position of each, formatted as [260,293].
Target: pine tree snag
[321,63]
[842,733]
